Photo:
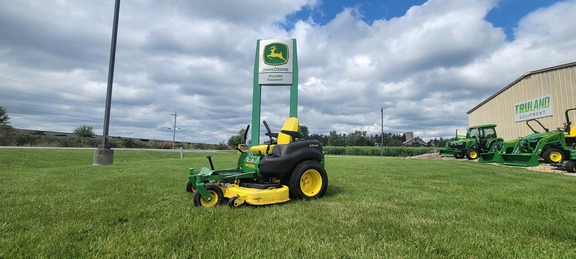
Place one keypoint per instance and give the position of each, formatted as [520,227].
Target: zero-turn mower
[265,174]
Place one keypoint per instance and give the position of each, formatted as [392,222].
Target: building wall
[559,83]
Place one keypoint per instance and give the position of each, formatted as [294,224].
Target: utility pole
[382,133]
[174,134]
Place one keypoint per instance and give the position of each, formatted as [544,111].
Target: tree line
[356,138]
[10,136]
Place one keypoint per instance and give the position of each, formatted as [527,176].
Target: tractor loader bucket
[492,157]
[520,159]
[444,152]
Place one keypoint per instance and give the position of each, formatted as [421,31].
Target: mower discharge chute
[479,139]
[265,174]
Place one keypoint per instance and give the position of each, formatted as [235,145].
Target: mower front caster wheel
[190,187]
[215,193]
[233,202]
[308,181]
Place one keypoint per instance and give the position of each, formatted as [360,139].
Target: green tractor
[553,146]
[265,174]
[479,139]
[570,137]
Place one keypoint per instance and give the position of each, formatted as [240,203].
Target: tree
[84,131]
[358,138]
[335,139]
[235,140]
[304,131]
[4,116]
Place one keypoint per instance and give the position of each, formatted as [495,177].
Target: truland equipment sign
[276,62]
[532,109]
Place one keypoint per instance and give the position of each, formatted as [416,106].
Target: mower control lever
[269,133]
[210,160]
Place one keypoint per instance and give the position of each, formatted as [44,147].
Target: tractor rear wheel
[215,193]
[308,181]
[553,155]
[472,154]
[570,166]
[458,155]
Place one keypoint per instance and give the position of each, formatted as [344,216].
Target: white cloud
[426,68]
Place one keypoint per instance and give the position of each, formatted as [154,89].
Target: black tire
[553,155]
[472,154]
[458,155]
[570,166]
[215,192]
[190,187]
[308,181]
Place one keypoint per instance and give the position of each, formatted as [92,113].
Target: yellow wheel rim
[311,182]
[473,155]
[211,203]
[555,156]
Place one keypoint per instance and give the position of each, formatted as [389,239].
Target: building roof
[571,64]
[413,140]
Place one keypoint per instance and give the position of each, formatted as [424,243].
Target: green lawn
[55,203]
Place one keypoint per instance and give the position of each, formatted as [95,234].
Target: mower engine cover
[285,157]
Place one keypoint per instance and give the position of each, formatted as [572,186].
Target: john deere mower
[478,139]
[272,173]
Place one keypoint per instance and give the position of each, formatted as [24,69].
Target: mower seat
[286,135]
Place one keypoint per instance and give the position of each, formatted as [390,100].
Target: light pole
[104,155]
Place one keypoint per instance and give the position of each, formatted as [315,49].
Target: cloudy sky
[426,63]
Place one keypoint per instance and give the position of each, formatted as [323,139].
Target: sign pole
[294,86]
[256,100]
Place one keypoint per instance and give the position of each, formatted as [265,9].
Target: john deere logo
[276,54]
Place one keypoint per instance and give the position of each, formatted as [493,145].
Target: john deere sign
[275,62]
[532,109]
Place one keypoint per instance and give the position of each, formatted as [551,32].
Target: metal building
[541,94]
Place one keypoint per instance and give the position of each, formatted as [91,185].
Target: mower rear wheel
[472,154]
[308,181]
[458,155]
[553,155]
[215,193]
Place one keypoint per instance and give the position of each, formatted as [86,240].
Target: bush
[376,151]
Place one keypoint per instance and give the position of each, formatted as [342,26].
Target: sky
[423,63]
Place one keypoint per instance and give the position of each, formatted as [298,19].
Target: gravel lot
[543,167]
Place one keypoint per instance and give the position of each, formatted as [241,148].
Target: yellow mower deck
[253,196]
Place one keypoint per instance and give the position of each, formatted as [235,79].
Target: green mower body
[294,169]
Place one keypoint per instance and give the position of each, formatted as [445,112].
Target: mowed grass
[55,203]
